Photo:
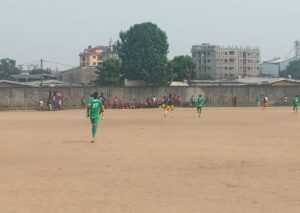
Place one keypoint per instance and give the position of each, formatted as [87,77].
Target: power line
[58,63]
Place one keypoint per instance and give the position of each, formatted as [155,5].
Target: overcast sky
[59,29]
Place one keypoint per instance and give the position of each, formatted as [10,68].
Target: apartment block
[225,62]
[93,56]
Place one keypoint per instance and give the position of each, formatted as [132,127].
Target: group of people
[265,102]
[150,102]
[96,105]
[54,102]
[168,104]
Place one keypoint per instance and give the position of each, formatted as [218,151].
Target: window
[94,63]
[225,60]
[231,60]
[94,57]
[231,53]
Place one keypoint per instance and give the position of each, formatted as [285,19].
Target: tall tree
[143,51]
[292,70]
[109,73]
[8,68]
[181,68]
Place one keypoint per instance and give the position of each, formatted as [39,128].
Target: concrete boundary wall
[28,98]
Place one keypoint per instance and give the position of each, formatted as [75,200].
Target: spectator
[41,105]
[234,101]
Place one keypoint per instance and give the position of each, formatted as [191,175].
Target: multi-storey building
[225,62]
[93,56]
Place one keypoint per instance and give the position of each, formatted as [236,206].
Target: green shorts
[95,120]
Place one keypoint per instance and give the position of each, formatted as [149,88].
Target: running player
[167,105]
[200,101]
[296,103]
[95,111]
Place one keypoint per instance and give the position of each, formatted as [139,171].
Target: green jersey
[296,102]
[200,101]
[95,108]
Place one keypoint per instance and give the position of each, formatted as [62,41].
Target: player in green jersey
[296,103]
[200,101]
[95,111]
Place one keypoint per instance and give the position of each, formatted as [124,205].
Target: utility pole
[42,64]
[297,49]
[42,69]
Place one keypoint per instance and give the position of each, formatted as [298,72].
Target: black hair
[95,95]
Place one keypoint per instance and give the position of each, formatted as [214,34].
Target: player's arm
[88,110]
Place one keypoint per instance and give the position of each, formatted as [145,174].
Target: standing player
[265,102]
[296,103]
[200,101]
[95,111]
[258,100]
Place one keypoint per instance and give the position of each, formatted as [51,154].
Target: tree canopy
[143,51]
[292,70]
[8,68]
[109,73]
[181,68]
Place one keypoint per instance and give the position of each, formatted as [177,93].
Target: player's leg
[172,107]
[95,123]
[199,110]
[166,110]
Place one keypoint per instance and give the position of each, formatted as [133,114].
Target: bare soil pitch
[231,160]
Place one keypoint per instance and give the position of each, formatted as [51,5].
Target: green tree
[293,70]
[8,68]
[181,68]
[109,73]
[143,51]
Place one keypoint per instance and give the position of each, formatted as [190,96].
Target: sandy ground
[231,160]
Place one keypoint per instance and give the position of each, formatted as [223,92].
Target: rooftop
[246,81]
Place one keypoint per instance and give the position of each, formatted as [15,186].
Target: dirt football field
[242,160]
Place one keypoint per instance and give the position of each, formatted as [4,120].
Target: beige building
[225,62]
[93,56]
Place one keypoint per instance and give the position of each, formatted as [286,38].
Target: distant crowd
[150,102]
[55,102]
